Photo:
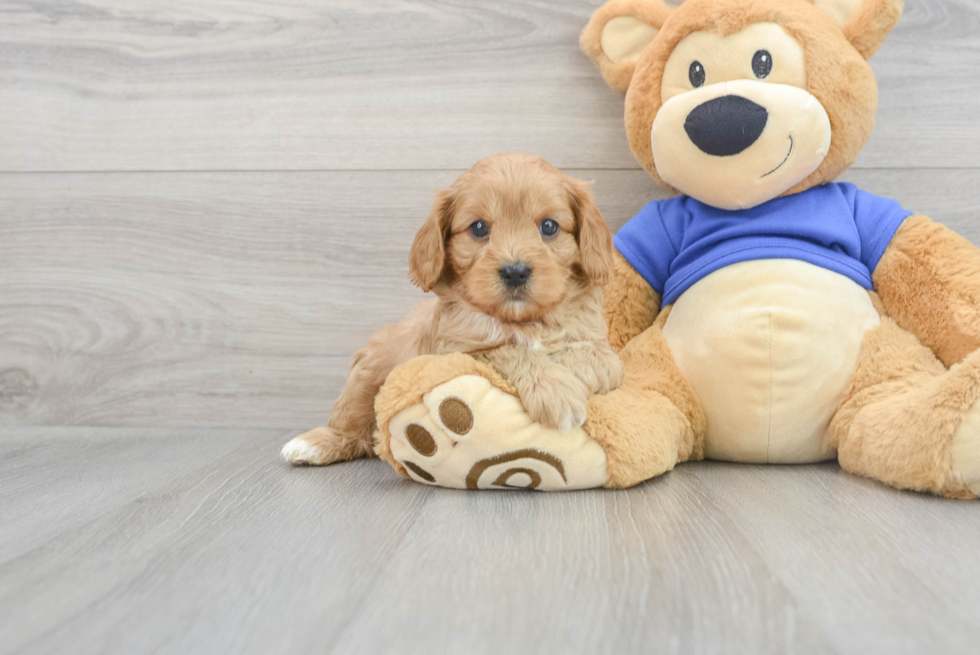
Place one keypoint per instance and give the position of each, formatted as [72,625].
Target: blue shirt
[674,243]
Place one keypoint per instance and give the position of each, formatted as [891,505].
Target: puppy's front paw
[596,365]
[609,374]
[555,398]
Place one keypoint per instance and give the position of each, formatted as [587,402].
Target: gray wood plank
[597,572]
[236,299]
[63,478]
[387,84]
[847,546]
[245,554]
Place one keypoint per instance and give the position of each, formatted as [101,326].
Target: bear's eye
[479,229]
[548,227]
[762,64]
[696,74]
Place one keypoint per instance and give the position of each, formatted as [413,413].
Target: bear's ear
[617,35]
[866,23]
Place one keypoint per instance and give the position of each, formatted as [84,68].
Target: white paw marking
[299,451]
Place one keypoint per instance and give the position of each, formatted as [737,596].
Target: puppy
[516,253]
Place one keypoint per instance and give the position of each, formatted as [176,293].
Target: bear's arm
[929,282]
[630,305]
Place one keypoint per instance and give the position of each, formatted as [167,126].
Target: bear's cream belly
[769,347]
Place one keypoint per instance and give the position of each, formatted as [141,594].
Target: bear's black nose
[726,126]
[515,275]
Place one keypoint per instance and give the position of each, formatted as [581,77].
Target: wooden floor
[127,540]
[206,206]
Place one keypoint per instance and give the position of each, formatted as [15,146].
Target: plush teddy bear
[765,314]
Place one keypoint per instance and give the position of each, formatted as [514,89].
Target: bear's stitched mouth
[785,159]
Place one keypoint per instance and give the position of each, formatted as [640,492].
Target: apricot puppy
[516,253]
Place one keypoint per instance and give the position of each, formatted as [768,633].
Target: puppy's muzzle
[516,275]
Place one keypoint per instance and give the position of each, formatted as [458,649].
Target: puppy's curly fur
[541,325]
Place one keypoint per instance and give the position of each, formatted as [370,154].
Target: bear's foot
[965,451]
[453,422]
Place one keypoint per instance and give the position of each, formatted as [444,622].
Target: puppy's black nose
[726,126]
[515,275]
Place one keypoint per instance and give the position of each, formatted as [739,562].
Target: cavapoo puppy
[516,253]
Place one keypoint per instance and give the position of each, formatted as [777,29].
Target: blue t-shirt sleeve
[647,241]
[877,220]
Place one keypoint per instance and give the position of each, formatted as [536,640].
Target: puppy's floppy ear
[866,23]
[617,35]
[594,238]
[427,259]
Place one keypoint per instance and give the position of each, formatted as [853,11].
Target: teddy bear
[765,313]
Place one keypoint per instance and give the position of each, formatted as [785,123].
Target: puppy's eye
[479,230]
[696,74]
[549,228]
[762,64]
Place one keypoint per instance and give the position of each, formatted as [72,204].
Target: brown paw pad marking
[456,415]
[504,477]
[473,477]
[419,471]
[421,441]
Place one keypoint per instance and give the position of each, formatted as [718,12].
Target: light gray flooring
[206,206]
[128,540]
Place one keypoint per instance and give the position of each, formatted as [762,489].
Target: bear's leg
[455,422]
[653,421]
[908,421]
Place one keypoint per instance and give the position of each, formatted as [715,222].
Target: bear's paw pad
[966,451]
[469,434]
